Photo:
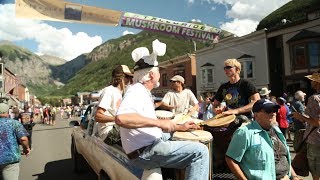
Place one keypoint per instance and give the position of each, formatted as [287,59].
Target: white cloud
[240,27]
[127,32]
[247,13]
[52,41]
[196,20]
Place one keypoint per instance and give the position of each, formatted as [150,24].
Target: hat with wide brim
[219,120]
[264,91]
[314,77]
[4,108]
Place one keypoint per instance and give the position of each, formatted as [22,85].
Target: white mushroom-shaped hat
[144,59]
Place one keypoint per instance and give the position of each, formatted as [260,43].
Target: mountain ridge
[87,72]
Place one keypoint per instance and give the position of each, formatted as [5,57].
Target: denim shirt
[251,146]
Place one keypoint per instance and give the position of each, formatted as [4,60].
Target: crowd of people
[147,140]
[256,149]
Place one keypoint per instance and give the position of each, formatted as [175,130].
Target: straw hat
[4,108]
[219,120]
[314,77]
[264,91]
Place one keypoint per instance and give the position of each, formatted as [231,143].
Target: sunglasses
[270,111]
[228,67]
[174,81]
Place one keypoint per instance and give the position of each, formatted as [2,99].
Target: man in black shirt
[238,94]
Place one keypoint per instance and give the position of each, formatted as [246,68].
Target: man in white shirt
[179,99]
[141,132]
[110,99]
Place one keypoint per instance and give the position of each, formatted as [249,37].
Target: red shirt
[282,117]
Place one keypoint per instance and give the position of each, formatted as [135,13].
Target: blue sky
[68,40]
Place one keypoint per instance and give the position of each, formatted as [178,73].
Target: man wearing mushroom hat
[141,132]
[313,123]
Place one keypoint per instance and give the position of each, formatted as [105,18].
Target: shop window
[207,75]
[299,56]
[306,55]
[314,54]
[247,65]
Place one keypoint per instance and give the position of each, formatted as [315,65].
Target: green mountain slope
[97,74]
[294,11]
[30,69]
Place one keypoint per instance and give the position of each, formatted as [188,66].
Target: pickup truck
[108,162]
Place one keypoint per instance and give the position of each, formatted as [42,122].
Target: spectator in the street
[16,112]
[68,110]
[110,99]
[282,116]
[313,121]
[46,115]
[287,105]
[26,119]
[142,134]
[179,99]
[208,112]
[201,104]
[41,114]
[264,93]
[62,112]
[298,106]
[273,99]
[11,114]
[53,112]
[259,150]
[11,134]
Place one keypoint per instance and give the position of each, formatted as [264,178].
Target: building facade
[250,50]
[277,58]
[294,52]
[184,66]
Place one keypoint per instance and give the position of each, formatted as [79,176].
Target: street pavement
[50,158]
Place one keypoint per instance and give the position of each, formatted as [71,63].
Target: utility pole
[194,45]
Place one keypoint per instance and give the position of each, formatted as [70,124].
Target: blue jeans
[9,171]
[193,156]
